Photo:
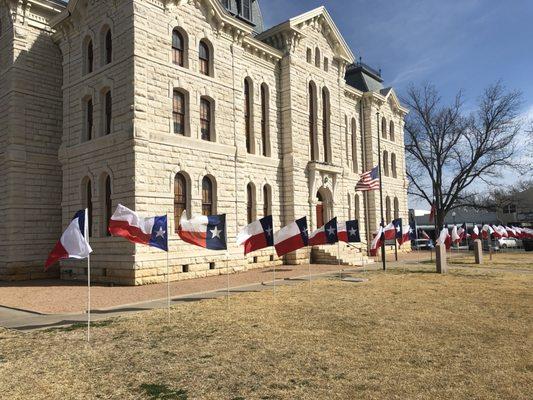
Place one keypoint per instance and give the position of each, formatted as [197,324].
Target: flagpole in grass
[383,255]
[339,258]
[168,268]
[86,232]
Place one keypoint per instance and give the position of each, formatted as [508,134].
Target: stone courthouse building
[171,105]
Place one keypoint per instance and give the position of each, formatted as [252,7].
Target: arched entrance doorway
[324,207]
[319,210]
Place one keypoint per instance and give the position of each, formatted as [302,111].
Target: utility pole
[381,196]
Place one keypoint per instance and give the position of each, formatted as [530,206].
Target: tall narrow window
[387,210]
[267,200]
[396,208]
[391,131]
[178,112]
[89,120]
[326,125]
[90,57]
[317,57]
[384,128]
[250,203]
[178,51]
[309,55]
[108,113]
[248,106]
[265,116]
[354,146]
[207,196]
[246,10]
[180,198]
[312,122]
[326,64]
[393,165]
[108,205]
[108,47]
[385,163]
[356,207]
[89,205]
[205,58]
[205,119]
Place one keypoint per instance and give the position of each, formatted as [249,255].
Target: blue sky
[455,44]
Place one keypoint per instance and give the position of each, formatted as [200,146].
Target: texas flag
[445,238]
[207,231]
[455,235]
[152,231]
[73,242]
[377,242]
[393,230]
[486,231]
[292,237]
[326,234]
[409,233]
[348,231]
[462,232]
[475,232]
[257,235]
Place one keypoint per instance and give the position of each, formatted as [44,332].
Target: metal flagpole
[227,277]
[86,232]
[168,269]
[274,280]
[383,255]
[339,258]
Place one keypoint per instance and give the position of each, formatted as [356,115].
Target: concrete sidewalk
[25,320]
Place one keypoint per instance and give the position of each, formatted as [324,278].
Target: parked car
[485,246]
[422,244]
[508,243]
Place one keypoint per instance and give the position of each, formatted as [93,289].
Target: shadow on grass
[80,325]
[156,391]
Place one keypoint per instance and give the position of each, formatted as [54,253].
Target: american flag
[369,180]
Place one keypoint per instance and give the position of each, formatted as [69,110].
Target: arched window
[313,121]
[385,163]
[250,203]
[108,112]
[248,113]
[265,118]
[354,145]
[391,131]
[357,207]
[178,112]
[178,48]
[347,138]
[206,116]
[383,128]
[89,54]
[309,55]
[387,210]
[267,200]
[205,58]
[393,165]
[108,47]
[108,211]
[180,198]
[208,206]
[326,125]
[326,64]
[317,57]
[87,201]
[89,122]
[396,208]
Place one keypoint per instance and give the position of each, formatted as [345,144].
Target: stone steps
[349,256]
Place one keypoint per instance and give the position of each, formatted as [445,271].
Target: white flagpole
[339,258]
[168,269]
[227,277]
[86,232]
[274,279]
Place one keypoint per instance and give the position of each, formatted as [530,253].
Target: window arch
[391,131]
[393,165]
[205,58]
[179,47]
[383,128]
[179,110]
[250,203]
[326,125]
[206,119]
[208,196]
[309,55]
[326,64]
[387,210]
[88,119]
[106,43]
[107,204]
[88,56]
[267,200]
[265,119]
[248,115]
[354,145]
[396,208]
[386,163]
[87,202]
[107,112]
[357,207]
[181,198]
[313,121]
[317,57]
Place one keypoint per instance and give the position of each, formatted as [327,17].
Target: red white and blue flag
[292,237]
[393,230]
[73,242]
[377,242]
[349,231]
[207,231]
[151,231]
[326,234]
[257,235]
[369,180]
[475,232]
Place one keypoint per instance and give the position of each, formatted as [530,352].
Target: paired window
[248,107]
[326,125]
[205,58]
[354,146]
[267,200]
[180,198]
[207,196]
[206,128]
[178,112]
[265,117]
[385,163]
[250,203]
[313,121]
[108,112]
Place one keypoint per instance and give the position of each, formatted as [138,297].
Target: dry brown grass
[505,260]
[402,335]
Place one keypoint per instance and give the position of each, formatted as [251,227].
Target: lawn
[401,335]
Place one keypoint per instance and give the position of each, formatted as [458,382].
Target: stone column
[442,266]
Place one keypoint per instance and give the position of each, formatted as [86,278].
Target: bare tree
[449,150]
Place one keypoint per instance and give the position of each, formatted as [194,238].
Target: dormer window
[247,10]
